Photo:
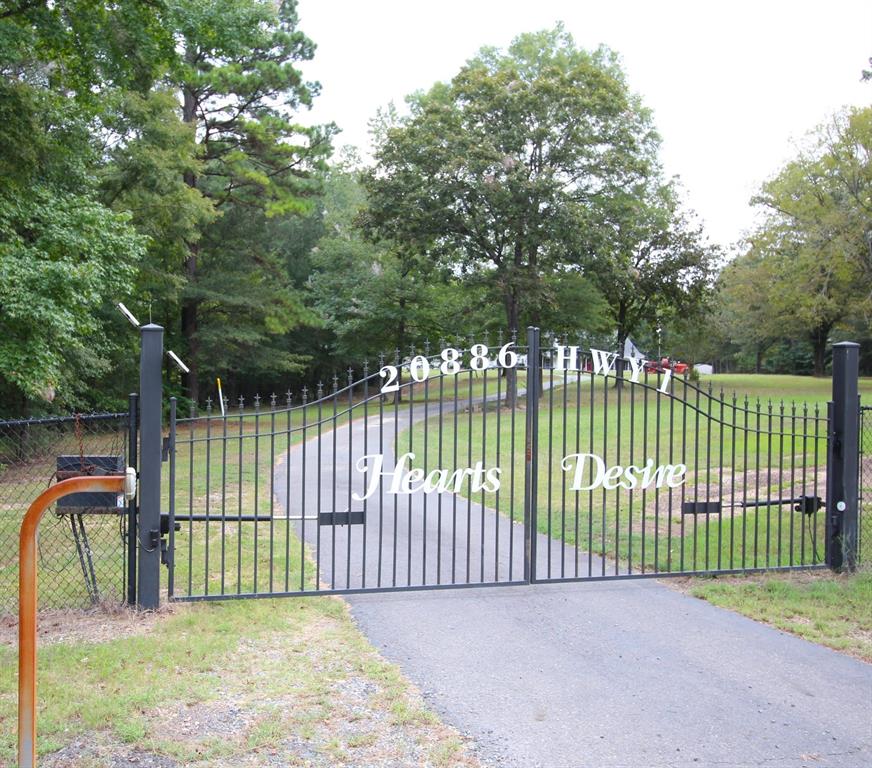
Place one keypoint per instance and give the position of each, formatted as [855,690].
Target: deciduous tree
[495,173]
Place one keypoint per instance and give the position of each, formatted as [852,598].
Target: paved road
[599,674]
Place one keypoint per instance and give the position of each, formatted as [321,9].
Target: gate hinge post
[150,442]
[843,459]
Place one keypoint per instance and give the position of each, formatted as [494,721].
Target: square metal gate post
[843,459]
[531,456]
[150,418]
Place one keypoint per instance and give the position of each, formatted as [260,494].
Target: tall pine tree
[240,88]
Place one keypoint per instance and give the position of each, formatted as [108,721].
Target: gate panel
[357,488]
[643,472]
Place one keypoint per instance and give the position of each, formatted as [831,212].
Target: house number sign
[420,366]
[565,358]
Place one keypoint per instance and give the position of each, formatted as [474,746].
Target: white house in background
[704,369]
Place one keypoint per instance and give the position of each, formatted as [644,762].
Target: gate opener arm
[808,505]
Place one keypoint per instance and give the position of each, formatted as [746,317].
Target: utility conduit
[27,597]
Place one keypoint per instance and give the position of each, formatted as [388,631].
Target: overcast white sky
[732,84]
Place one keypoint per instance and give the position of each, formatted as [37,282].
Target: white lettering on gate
[603,362]
[629,478]
[566,355]
[637,366]
[588,472]
[409,480]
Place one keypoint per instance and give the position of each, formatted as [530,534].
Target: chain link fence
[864,527]
[81,541]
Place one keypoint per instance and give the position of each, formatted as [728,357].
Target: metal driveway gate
[436,471]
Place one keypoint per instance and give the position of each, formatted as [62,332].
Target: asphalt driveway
[605,674]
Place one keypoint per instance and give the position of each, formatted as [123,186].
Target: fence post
[531,456]
[132,461]
[843,459]
[150,417]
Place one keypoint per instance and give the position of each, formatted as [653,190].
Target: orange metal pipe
[27,603]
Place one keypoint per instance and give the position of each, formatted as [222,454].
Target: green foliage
[375,297]
[246,299]
[493,174]
[240,88]
[62,256]
[120,193]
[145,175]
[649,260]
[84,47]
[807,270]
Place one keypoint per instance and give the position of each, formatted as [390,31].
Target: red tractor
[665,364]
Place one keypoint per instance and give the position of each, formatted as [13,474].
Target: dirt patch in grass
[100,624]
[101,750]
[318,696]
[729,487]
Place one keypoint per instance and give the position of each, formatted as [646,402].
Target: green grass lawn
[808,389]
[831,609]
[221,685]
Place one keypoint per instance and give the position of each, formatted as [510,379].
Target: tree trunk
[622,338]
[758,359]
[533,280]
[190,304]
[510,301]
[819,338]
[401,346]
[190,308]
